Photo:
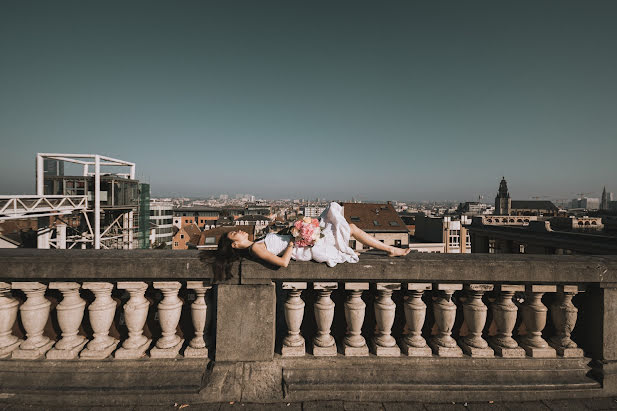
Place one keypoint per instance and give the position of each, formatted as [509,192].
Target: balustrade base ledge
[411,351]
[445,351]
[330,351]
[6,351]
[33,354]
[350,351]
[294,351]
[475,352]
[132,353]
[89,354]
[535,352]
[517,352]
[380,351]
[190,352]
[69,354]
[567,352]
[193,381]
[171,352]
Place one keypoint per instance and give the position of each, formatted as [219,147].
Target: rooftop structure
[113,206]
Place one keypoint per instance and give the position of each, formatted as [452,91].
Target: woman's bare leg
[371,241]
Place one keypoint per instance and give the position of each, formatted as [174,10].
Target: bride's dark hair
[225,257]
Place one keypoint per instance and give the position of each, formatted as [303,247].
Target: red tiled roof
[374,217]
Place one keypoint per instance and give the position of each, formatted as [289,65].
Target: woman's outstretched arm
[259,249]
[371,241]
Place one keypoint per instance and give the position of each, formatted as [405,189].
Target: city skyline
[408,102]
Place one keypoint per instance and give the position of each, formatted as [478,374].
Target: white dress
[331,249]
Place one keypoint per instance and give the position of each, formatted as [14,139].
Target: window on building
[176,244]
[394,223]
[355,219]
[210,240]
[491,246]
[181,236]
[375,222]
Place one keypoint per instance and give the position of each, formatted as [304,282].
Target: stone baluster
[34,314]
[444,311]
[564,315]
[293,343]
[199,309]
[101,314]
[413,344]
[383,343]
[534,318]
[323,343]
[169,309]
[8,315]
[70,313]
[475,312]
[354,342]
[504,315]
[135,315]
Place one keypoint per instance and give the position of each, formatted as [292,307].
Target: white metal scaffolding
[41,205]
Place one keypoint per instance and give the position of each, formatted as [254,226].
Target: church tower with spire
[503,202]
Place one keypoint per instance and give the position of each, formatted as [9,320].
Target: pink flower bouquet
[306,232]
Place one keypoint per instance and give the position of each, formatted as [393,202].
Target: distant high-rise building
[604,200]
[588,203]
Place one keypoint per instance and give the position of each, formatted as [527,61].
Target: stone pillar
[601,327]
[199,309]
[475,312]
[444,311]
[354,343]
[383,344]
[135,315]
[505,314]
[101,314]
[534,318]
[323,343]
[70,313]
[245,322]
[293,343]
[34,314]
[564,315]
[8,315]
[413,344]
[169,309]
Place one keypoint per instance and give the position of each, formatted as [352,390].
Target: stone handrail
[102,264]
[492,268]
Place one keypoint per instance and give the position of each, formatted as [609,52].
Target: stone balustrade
[34,314]
[476,336]
[470,326]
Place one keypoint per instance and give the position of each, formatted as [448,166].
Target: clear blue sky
[382,100]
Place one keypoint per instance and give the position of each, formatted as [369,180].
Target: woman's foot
[398,252]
